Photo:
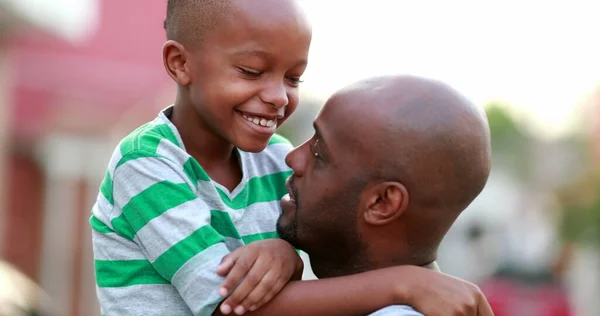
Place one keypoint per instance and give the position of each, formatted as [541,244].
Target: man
[392,164]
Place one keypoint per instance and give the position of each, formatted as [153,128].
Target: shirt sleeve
[396,310]
[156,206]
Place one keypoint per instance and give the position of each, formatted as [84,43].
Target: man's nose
[295,161]
[275,94]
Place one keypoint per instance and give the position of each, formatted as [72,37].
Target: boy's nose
[275,94]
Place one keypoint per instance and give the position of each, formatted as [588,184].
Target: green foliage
[510,145]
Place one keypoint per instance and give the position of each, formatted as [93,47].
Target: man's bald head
[392,163]
[188,21]
[423,134]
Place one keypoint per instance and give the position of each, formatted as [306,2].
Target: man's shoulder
[396,310]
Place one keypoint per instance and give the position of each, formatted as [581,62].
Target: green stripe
[106,187]
[194,171]
[171,260]
[278,139]
[99,226]
[151,203]
[132,141]
[146,139]
[166,131]
[222,223]
[136,155]
[260,236]
[258,189]
[121,273]
[122,227]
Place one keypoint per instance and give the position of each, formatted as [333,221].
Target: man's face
[246,73]
[319,214]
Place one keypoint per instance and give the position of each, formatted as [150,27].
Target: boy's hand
[264,267]
[435,294]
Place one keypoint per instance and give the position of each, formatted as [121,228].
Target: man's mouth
[291,190]
[260,120]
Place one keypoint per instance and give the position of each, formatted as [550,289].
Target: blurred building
[71,72]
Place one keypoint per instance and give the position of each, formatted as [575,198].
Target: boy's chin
[252,146]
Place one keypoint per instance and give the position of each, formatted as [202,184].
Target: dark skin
[244,66]
[247,67]
[393,162]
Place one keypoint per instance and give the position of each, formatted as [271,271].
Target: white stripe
[102,209]
[137,175]
[142,300]
[255,211]
[208,193]
[110,246]
[170,151]
[198,282]
[114,160]
[256,218]
[174,225]
[233,243]
[269,161]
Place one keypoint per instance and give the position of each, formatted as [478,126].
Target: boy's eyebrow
[256,53]
[261,54]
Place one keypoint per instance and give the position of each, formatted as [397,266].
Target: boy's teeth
[260,121]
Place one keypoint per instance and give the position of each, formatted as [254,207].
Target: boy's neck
[210,150]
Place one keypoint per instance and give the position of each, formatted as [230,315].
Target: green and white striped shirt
[161,226]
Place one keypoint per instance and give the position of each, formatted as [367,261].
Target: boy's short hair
[188,20]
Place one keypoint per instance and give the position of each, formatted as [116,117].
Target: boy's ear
[175,59]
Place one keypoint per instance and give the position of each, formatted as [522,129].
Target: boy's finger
[252,278]
[236,274]
[226,265]
[265,286]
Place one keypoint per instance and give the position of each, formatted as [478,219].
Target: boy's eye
[295,80]
[249,72]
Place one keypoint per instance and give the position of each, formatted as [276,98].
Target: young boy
[205,178]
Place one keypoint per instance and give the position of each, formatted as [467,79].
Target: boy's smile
[242,79]
[260,123]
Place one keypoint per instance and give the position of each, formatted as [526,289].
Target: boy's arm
[156,207]
[431,293]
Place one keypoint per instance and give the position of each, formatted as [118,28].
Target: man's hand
[434,293]
[262,269]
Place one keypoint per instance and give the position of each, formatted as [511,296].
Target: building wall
[4,130]
[74,166]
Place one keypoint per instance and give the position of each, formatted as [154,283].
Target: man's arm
[432,293]
[350,295]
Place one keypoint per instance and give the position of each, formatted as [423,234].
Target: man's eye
[313,149]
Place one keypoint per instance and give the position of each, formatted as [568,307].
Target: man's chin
[288,233]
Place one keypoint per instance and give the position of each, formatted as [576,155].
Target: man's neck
[327,268]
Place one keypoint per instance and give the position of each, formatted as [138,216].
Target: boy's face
[244,78]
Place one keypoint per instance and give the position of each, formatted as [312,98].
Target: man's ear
[175,58]
[386,202]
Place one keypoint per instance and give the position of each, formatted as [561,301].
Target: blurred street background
[78,75]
